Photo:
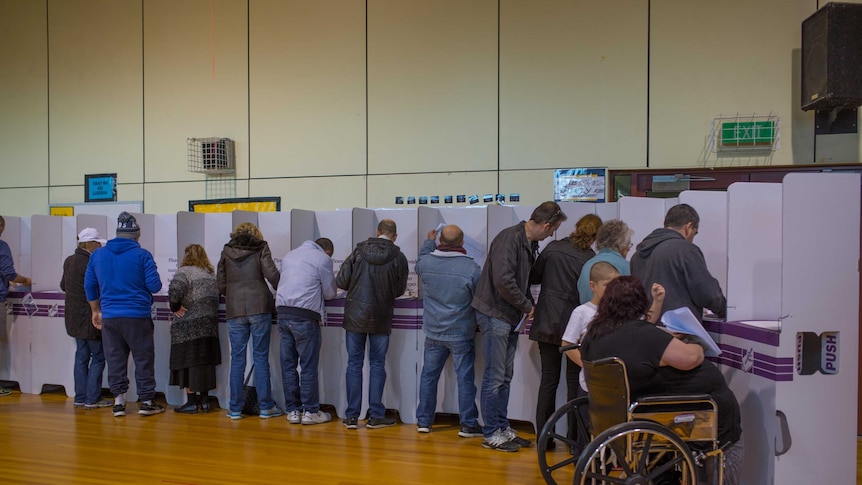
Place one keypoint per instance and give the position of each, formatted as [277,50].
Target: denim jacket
[448,281]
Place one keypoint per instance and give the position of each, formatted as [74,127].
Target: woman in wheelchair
[659,363]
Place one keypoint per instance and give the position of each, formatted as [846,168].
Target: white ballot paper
[682,320]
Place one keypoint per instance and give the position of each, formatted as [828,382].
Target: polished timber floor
[44,439]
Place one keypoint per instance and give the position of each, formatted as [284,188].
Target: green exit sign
[748,133]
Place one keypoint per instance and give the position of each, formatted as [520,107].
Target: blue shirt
[123,277]
[7,270]
[605,255]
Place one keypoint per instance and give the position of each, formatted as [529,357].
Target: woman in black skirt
[195,348]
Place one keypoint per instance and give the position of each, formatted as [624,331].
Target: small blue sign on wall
[101,187]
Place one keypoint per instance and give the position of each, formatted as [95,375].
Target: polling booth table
[789,345]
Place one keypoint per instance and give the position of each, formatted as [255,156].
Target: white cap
[90,234]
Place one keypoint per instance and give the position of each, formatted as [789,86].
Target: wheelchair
[658,440]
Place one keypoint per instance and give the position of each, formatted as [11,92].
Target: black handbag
[250,405]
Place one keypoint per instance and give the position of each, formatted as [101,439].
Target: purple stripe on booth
[747,332]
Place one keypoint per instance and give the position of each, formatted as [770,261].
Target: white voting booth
[793,287]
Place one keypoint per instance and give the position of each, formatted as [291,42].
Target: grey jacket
[374,275]
[665,257]
[448,281]
[503,290]
[244,268]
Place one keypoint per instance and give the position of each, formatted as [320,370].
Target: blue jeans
[377,347]
[89,367]
[499,344]
[239,328]
[463,356]
[300,344]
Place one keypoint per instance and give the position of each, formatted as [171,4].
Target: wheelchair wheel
[636,453]
[558,466]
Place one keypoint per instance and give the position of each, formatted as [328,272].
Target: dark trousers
[552,363]
[121,336]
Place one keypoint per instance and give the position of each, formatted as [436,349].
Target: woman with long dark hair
[659,363]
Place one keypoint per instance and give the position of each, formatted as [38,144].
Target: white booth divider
[711,206]
[574,211]
[643,216]
[337,226]
[301,227]
[754,249]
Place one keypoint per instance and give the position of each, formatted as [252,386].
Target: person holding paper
[557,269]
[669,257]
[659,363]
[7,276]
[449,279]
[502,300]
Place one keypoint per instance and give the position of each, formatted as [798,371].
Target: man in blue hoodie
[119,283]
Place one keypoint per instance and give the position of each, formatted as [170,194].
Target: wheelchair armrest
[672,398]
[569,347]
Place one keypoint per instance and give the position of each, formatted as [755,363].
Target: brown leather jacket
[245,262]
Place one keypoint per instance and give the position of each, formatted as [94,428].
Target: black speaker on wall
[832,57]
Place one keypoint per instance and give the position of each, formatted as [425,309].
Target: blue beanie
[127,226]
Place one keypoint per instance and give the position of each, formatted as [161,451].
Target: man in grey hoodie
[374,275]
[669,257]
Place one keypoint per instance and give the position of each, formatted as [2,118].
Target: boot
[204,401]
[191,405]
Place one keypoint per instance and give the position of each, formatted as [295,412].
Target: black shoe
[512,436]
[151,409]
[471,432]
[190,407]
[383,422]
[119,410]
[204,400]
[350,423]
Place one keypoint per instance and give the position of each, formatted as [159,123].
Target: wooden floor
[44,439]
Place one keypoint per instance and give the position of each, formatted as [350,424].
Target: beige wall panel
[95,89]
[74,194]
[573,83]
[711,58]
[168,198]
[195,82]
[313,193]
[432,85]
[23,93]
[535,186]
[382,189]
[307,96]
[24,202]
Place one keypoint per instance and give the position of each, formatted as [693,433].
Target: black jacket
[374,275]
[79,322]
[666,258]
[504,288]
[557,269]
[245,262]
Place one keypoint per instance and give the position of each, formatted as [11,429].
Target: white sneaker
[293,417]
[316,418]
